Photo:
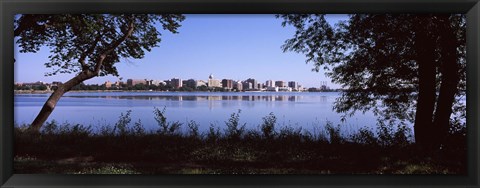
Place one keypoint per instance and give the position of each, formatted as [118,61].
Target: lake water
[296,109]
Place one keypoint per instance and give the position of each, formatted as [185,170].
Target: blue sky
[228,46]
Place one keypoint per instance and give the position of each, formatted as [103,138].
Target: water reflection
[292,98]
[205,108]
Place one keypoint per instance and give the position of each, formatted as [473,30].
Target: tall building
[247,86]
[176,83]
[253,82]
[269,83]
[133,82]
[213,82]
[280,84]
[293,85]
[259,86]
[227,83]
[238,85]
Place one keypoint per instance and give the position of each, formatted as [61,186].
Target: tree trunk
[55,97]
[449,82]
[425,48]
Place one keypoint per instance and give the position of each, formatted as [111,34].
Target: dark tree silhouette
[394,65]
[88,44]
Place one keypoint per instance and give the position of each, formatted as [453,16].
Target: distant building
[238,86]
[259,86]
[227,83]
[253,82]
[269,83]
[176,83]
[133,82]
[284,89]
[168,82]
[280,84]
[34,84]
[108,84]
[200,83]
[157,82]
[275,89]
[213,82]
[293,85]
[148,82]
[247,86]
[323,86]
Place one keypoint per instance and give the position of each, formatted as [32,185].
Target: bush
[122,123]
[193,129]
[268,126]
[166,128]
[364,136]
[234,130]
[387,136]
[50,127]
[213,134]
[138,128]
[334,133]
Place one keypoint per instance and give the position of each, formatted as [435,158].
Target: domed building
[213,82]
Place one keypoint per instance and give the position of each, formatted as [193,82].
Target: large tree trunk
[449,82]
[425,48]
[55,97]
[84,75]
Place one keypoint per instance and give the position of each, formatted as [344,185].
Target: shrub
[166,128]
[334,133]
[80,130]
[268,126]
[193,129]
[138,128]
[364,136]
[122,123]
[387,136]
[50,127]
[288,133]
[213,134]
[234,130]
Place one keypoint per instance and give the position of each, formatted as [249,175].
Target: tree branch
[112,46]
[89,51]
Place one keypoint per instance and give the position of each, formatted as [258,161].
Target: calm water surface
[306,110]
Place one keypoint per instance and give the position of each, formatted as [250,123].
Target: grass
[127,149]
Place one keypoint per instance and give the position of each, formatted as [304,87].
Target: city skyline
[236,47]
[211,82]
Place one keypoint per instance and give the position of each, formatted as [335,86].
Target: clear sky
[228,46]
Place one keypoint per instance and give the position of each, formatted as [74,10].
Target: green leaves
[372,56]
[77,41]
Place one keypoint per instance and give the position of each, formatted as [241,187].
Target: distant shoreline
[72,91]
[93,91]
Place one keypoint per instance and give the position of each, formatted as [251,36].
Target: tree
[88,44]
[392,59]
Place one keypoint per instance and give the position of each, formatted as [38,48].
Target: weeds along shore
[128,148]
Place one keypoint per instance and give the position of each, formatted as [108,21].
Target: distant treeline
[125,87]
